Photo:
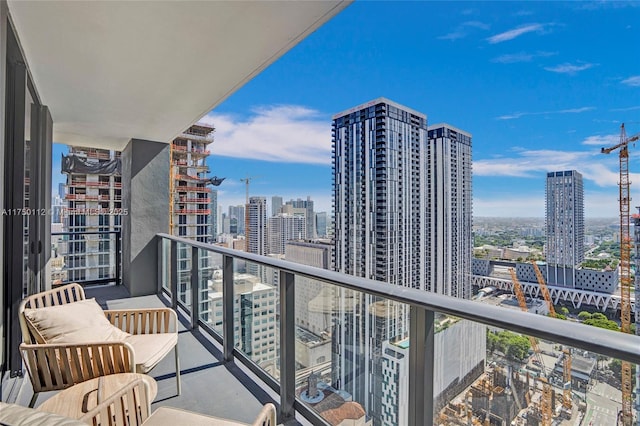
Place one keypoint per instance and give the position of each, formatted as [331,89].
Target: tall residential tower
[450,211]
[380,202]
[565,218]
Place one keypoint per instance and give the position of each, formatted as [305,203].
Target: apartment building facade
[190,203]
[93,197]
[449,211]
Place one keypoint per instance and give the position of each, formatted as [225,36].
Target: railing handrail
[593,339]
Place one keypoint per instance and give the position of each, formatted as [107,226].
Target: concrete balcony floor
[209,386]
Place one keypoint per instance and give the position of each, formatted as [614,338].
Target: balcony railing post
[287,346]
[421,360]
[161,265]
[228,342]
[195,287]
[173,285]
[118,258]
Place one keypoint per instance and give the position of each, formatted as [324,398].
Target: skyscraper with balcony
[190,215]
[380,202]
[565,218]
[94,204]
[402,199]
[449,207]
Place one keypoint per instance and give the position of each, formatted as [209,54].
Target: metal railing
[422,327]
[85,253]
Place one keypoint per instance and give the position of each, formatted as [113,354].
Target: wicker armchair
[143,337]
[130,407]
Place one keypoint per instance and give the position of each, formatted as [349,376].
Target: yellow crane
[625,262]
[545,401]
[566,362]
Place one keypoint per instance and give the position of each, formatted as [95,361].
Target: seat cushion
[149,349]
[78,322]
[15,415]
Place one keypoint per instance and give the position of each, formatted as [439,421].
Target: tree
[602,323]
[584,315]
[511,344]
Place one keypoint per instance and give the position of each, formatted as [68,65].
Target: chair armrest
[267,416]
[144,321]
[59,366]
[112,411]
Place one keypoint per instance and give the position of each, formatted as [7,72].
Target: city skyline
[540,91]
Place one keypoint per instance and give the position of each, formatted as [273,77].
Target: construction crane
[545,402]
[566,360]
[625,262]
[247,180]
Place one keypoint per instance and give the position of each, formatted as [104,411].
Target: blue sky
[541,86]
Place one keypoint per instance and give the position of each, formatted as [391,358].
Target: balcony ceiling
[112,71]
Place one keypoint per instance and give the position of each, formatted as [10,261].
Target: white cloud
[600,169]
[461,31]
[516,115]
[281,133]
[568,68]
[633,108]
[521,57]
[601,140]
[516,32]
[632,81]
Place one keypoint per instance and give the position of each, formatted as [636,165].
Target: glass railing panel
[255,313]
[211,290]
[352,353]
[87,258]
[183,268]
[521,380]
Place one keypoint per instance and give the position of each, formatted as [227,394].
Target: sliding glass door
[27,196]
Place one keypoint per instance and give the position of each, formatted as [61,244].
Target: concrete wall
[145,196]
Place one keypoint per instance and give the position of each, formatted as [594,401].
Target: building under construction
[93,193]
[189,204]
[501,397]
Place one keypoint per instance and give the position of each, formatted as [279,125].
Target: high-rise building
[402,205]
[237,219]
[565,218]
[190,202]
[321,225]
[449,203]
[380,202]
[282,228]
[318,297]
[307,205]
[380,193]
[276,205]
[94,203]
[257,232]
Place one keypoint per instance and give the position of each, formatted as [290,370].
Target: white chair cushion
[15,415]
[78,322]
[149,349]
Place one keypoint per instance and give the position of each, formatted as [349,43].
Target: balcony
[249,335]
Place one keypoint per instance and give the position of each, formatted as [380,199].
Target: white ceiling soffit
[112,71]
